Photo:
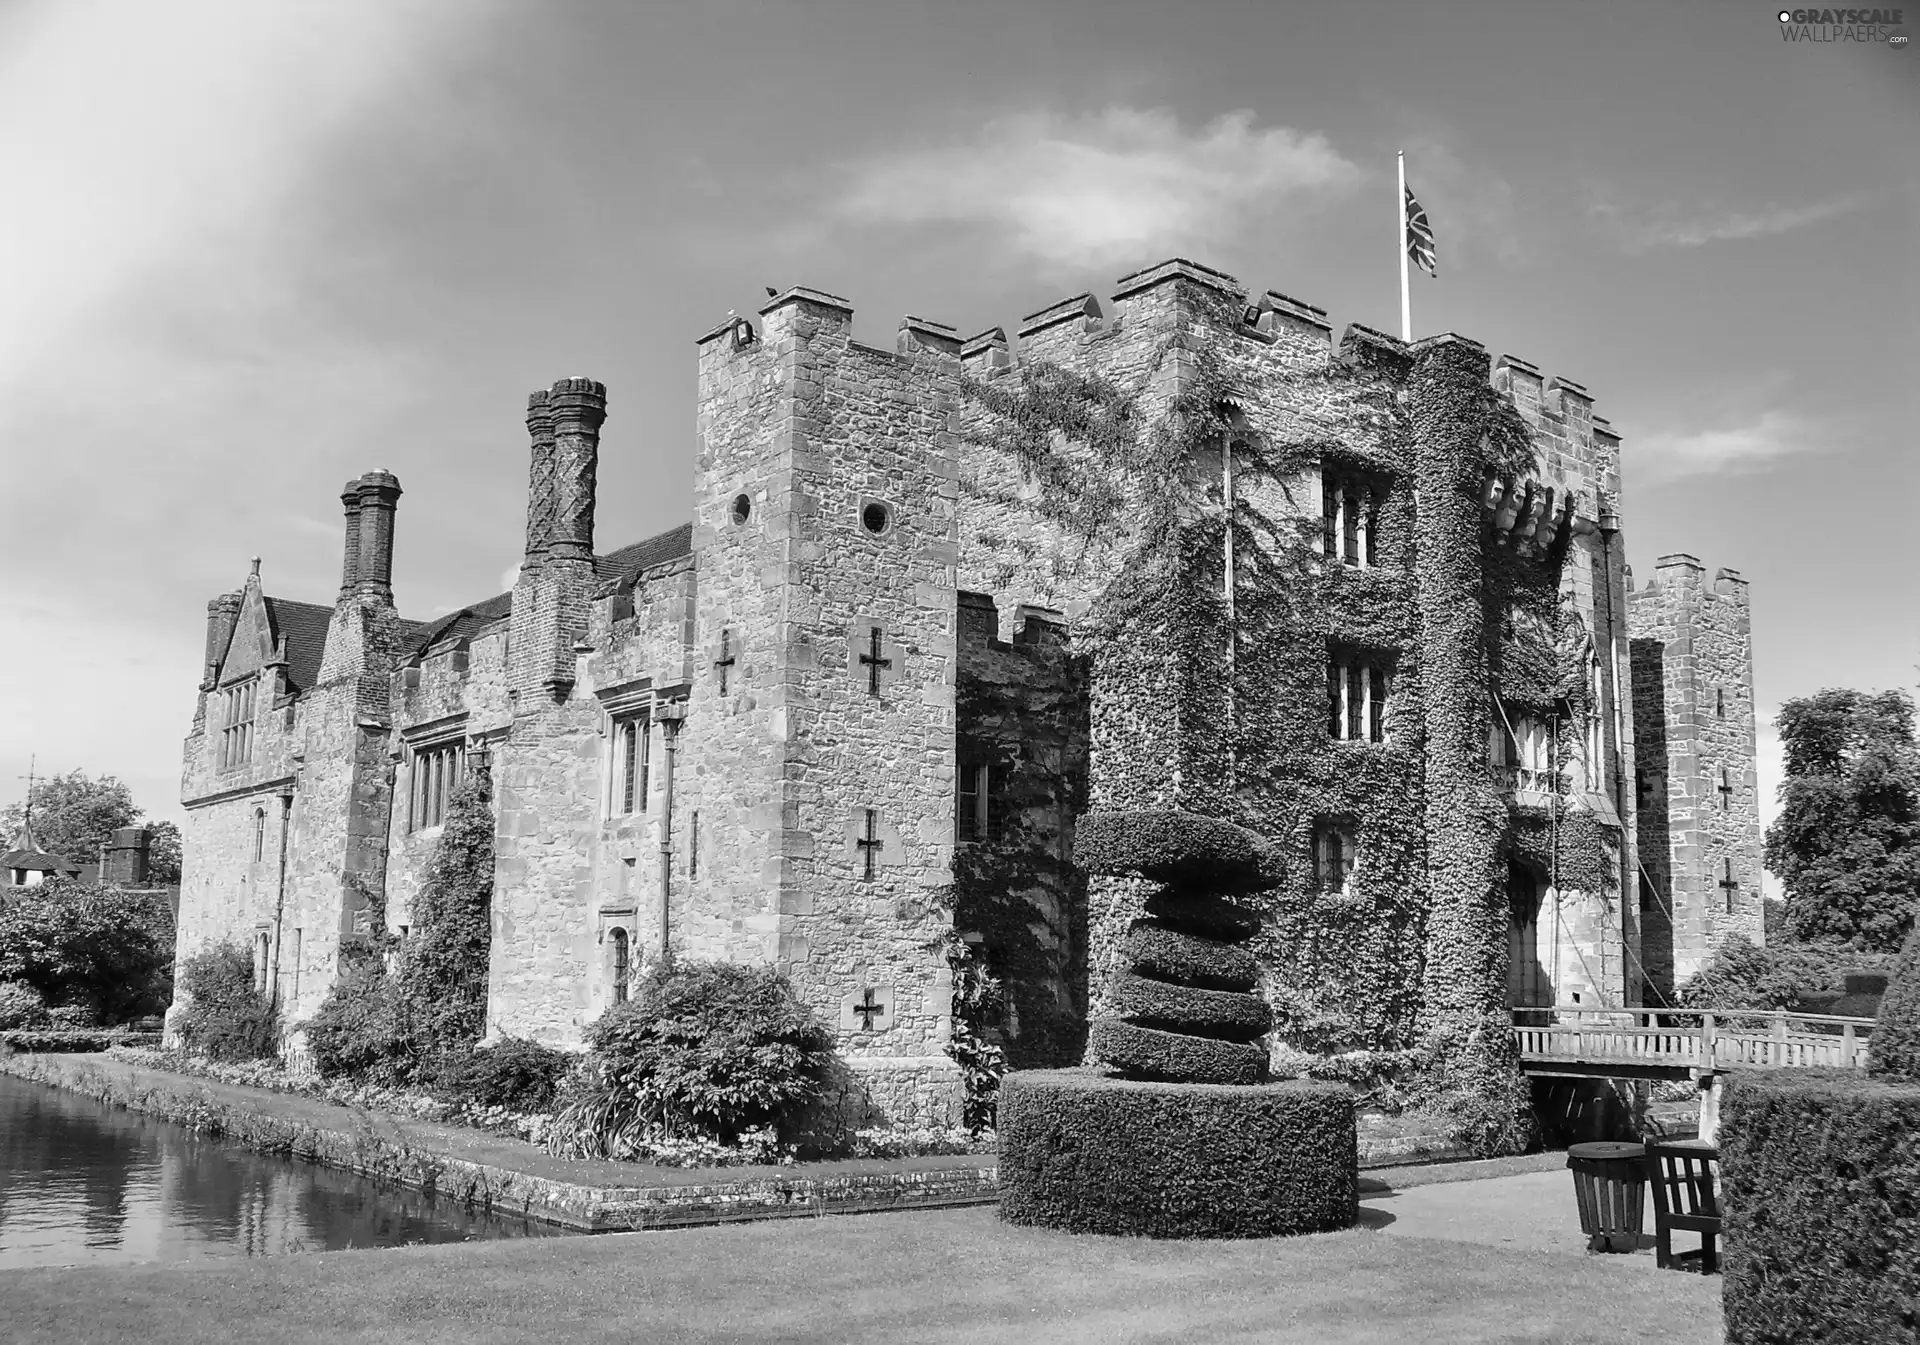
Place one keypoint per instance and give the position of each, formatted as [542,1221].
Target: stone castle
[842,720]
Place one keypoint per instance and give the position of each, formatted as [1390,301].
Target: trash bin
[1610,1181]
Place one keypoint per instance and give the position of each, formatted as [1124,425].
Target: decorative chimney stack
[373,575]
[539,480]
[553,596]
[350,563]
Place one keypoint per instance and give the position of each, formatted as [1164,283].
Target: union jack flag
[1419,236]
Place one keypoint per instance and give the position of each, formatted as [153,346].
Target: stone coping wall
[508,1176]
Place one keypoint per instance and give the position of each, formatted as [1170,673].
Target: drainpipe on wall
[671,717]
[280,895]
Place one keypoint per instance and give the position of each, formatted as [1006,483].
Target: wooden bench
[1683,1174]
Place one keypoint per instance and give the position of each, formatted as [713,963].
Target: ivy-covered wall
[1096,472]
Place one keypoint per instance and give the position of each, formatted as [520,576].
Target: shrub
[1154,949]
[72,1016]
[223,1017]
[82,945]
[1894,1047]
[1154,1053]
[1821,1182]
[21,1006]
[514,1073]
[1226,1014]
[442,973]
[73,1040]
[705,1049]
[1170,846]
[1085,1152]
[360,1029]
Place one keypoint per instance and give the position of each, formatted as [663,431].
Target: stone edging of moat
[417,1155]
[425,1157]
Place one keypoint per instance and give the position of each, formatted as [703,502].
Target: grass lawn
[937,1275]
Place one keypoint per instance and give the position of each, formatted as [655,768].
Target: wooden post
[1847,1046]
[1780,1038]
[1706,1041]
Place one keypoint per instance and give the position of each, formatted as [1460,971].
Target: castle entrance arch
[1529,985]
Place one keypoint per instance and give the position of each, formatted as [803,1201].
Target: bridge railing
[1703,1039]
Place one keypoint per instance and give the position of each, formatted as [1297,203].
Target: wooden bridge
[1574,1040]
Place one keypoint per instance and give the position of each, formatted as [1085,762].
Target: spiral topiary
[1174,1131]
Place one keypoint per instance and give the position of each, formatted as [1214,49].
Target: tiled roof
[628,561]
[304,624]
[39,861]
[463,624]
[621,565]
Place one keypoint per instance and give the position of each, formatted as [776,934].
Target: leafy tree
[88,947]
[163,856]
[443,964]
[1847,841]
[73,816]
[223,1016]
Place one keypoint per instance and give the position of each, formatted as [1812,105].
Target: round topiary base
[1088,1152]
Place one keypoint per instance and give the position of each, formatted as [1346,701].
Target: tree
[88,946]
[1846,844]
[163,856]
[73,816]
[443,964]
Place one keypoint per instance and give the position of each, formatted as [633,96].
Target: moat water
[82,1183]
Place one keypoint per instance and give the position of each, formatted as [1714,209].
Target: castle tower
[1699,813]
[819,816]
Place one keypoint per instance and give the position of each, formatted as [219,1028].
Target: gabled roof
[25,853]
[463,624]
[304,626]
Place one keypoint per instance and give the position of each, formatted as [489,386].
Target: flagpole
[1400,234]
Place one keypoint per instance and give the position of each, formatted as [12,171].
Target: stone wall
[1692,655]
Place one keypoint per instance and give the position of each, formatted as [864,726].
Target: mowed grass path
[947,1275]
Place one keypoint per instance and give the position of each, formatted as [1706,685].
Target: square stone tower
[1699,797]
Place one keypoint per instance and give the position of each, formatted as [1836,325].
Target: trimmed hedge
[1226,1014]
[1154,948]
[1203,916]
[1894,1047]
[74,1040]
[1150,1053]
[1083,1151]
[1821,1185]
[1170,846]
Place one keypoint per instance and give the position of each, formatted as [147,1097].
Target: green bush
[704,1050]
[514,1073]
[1204,917]
[1894,1047]
[1782,976]
[1085,1152]
[1227,1014]
[101,949]
[1152,1053]
[360,1030]
[72,1016]
[1821,1188]
[73,1040]
[1182,848]
[1155,949]
[223,1017]
[21,1006]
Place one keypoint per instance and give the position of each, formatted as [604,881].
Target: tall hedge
[1821,1187]
[1894,1047]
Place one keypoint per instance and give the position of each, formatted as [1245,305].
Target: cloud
[1100,188]
[1723,451]
[1645,232]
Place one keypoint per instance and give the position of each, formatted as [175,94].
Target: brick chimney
[553,596]
[350,562]
[126,863]
[373,573]
[222,612]
[539,480]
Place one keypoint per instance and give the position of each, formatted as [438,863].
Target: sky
[253,251]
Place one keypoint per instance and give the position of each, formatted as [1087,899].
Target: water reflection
[82,1183]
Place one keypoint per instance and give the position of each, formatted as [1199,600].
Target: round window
[742,509]
[875,517]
